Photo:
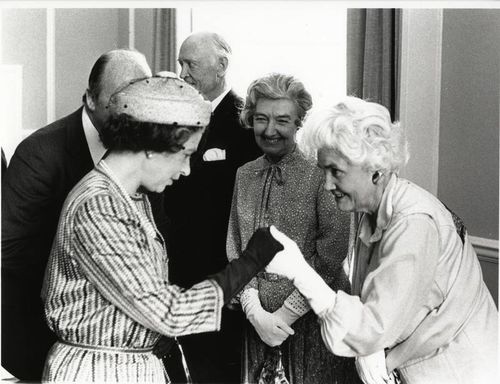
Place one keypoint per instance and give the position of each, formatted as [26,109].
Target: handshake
[291,263]
[279,254]
[288,261]
[270,248]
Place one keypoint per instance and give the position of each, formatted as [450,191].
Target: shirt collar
[282,166]
[218,99]
[285,160]
[384,216]
[96,147]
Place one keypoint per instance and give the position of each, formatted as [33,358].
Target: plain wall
[469,124]
[144,32]
[469,127]
[81,35]
[24,42]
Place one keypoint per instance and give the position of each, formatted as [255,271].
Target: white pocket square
[214,154]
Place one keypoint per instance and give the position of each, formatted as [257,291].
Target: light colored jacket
[419,288]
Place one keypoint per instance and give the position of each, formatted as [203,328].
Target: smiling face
[351,184]
[163,168]
[274,125]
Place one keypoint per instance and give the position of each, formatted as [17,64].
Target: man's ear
[222,66]
[90,100]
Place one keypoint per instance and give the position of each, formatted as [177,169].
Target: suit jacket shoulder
[231,104]
[63,134]
[45,166]
[226,131]
[60,147]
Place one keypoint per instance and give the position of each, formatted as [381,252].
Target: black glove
[260,250]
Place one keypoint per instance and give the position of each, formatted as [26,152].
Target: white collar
[218,99]
[96,147]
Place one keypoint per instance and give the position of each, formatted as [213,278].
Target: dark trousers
[26,340]
[212,357]
[26,337]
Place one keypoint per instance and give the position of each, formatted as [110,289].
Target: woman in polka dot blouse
[285,189]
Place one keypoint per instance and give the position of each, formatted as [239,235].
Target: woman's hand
[272,329]
[371,369]
[260,249]
[289,262]
[287,315]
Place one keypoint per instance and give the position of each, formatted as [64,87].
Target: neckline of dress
[145,222]
[290,156]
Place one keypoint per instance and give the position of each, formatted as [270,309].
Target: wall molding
[486,249]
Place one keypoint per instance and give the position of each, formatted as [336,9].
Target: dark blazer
[198,207]
[45,167]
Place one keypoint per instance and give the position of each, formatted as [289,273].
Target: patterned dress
[106,289]
[290,195]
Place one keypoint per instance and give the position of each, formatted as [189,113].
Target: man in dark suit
[199,205]
[44,168]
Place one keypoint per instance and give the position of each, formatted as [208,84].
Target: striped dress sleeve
[113,251]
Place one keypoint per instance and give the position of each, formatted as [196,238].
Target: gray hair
[360,131]
[222,47]
[276,86]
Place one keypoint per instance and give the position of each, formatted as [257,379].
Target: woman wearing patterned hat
[106,289]
[285,189]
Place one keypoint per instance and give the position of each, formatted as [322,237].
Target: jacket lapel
[77,150]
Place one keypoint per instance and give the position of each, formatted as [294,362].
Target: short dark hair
[123,133]
[97,72]
[95,77]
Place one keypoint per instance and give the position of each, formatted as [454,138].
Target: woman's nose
[186,168]
[271,128]
[329,182]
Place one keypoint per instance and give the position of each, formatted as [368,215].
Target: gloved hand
[260,249]
[286,315]
[291,264]
[271,329]
[371,369]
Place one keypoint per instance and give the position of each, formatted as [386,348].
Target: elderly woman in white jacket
[419,305]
